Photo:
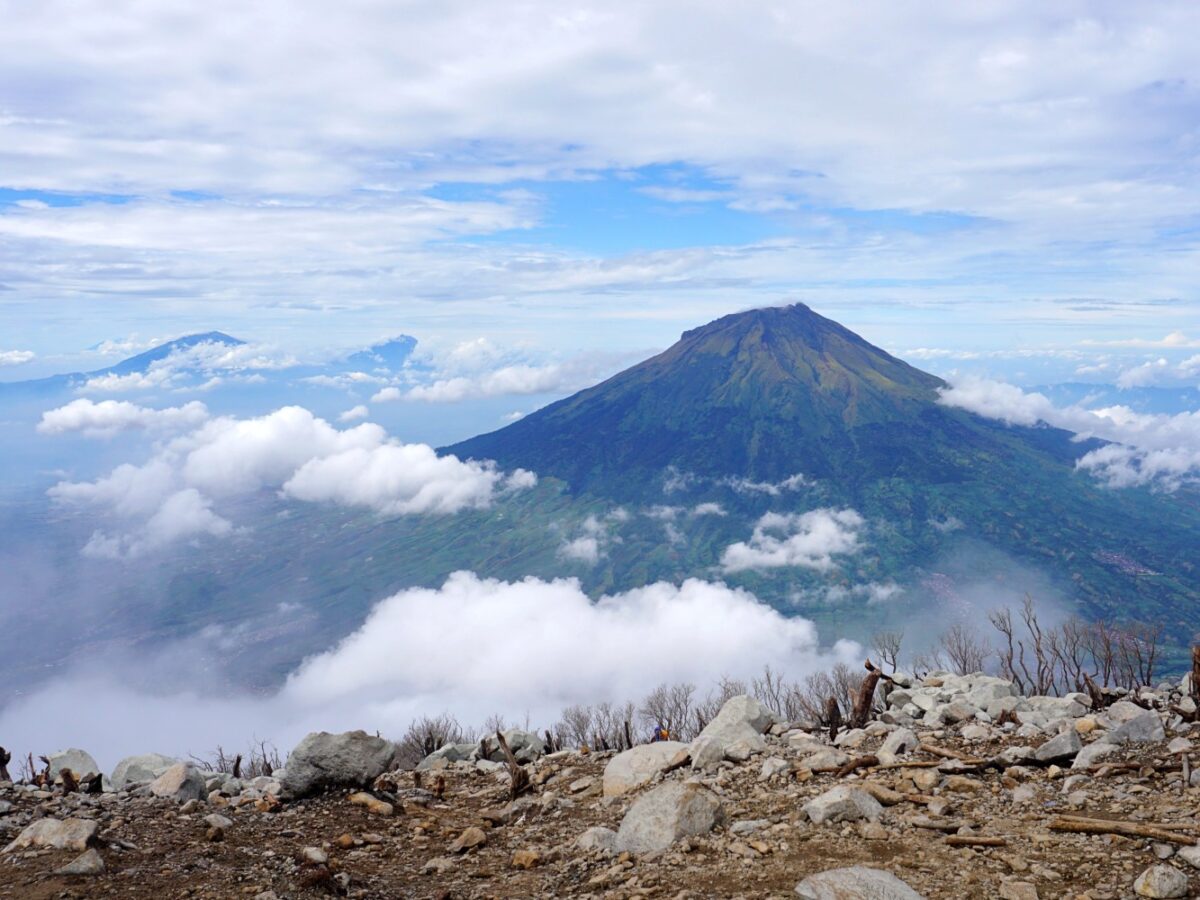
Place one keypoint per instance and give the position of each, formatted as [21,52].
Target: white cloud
[584,549]
[1158,449]
[1175,339]
[401,479]
[809,540]
[15,357]
[386,395]
[585,650]
[183,514]
[708,509]
[593,537]
[354,413]
[464,648]
[109,417]
[290,450]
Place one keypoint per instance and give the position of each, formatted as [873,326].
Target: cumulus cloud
[110,417]
[1148,449]
[592,538]
[171,496]
[585,650]
[15,357]
[809,540]
[354,413]
[1173,340]
[464,647]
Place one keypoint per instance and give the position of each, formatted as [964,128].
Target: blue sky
[587,178]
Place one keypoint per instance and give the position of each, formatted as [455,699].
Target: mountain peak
[765,393]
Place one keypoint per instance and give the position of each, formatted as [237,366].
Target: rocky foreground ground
[960,789]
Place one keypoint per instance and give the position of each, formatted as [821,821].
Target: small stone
[843,804]
[314,855]
[373,804]
[218,821]
[1018,890]
[961,784]
[1190,855]
[525,859]
[470,839]
[1162,882]
[773,767]
[872,831]
[89,863]
[598,838]
[855,883]
[344,841]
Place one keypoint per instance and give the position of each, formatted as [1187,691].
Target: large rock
[525,746]
[1093,753]
[897,744]
[181,782]
[55,834]
[450,753]
[80,762]
[667,813]
[323,760]
[145,767]
[855,883]
[1140,729]
[598,838]
[736,731]
[1163,882]
[843,804]
[1059,748]
[637,766]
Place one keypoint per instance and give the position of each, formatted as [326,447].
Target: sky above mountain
[1000,182]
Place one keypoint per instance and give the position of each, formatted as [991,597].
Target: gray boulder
[855,883]
[525,746]
[1140,729]
[843,804]
[1061,747]
[450,753]
[598,838]
[145,767]
[1093,753]
[667,813]
[897,744]
[323,760]
[181,782]
[89,863]
[56,834]
[637,766]
[738,727]
[1161,882]
[80,762]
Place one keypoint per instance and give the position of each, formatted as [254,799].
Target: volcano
[764,395]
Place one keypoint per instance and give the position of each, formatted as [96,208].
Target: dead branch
[5,759]
[1081,825]
[1194,685]
[973,840]
[833,715]
[237,766]
[519,777]
[92,784]
[866,697]
[859,762]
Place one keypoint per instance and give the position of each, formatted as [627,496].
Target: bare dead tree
[237,766]
[669,707]
[886,645]
[424,736]
[965,650]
